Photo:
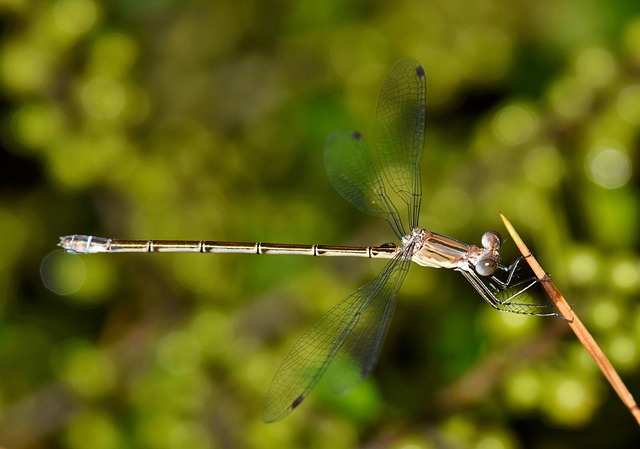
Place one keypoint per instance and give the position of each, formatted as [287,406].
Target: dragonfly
[348,339]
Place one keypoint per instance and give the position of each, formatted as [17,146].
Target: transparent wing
[353,174]
[400,128]
[346,341]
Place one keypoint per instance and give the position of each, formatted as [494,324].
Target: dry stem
[576,325]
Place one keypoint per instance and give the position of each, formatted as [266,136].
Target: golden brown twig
[576,325]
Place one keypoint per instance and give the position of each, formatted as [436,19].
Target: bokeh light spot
[544,166]
[570,393]
[188,434]
[70,161]
[113,54]
[179,353]
[516,322]
[459,429]
[523,389]
[572,401]
[583,266]
[626,274]
[605,314]
[570,98]
[209,328]
[23,67]
[632,38]
[33,126]
[89,370]
[75,17]
[628,104]
[623,350]
[514,124]
[507,325]
[102,280]
[608,167]
[103,432]
[154,186]
[63,273]
[596,66]
[103,98]
[96,278]
[492,442]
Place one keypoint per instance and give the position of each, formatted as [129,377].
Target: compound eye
[491,240]
[486,267]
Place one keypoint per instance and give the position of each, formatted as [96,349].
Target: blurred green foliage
[205,120]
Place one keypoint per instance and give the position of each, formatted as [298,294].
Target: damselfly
[349,337]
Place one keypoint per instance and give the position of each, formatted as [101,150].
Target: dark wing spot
[297,402]
[420,71]
[357,135]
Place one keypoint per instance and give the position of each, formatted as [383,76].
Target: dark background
[206,120]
